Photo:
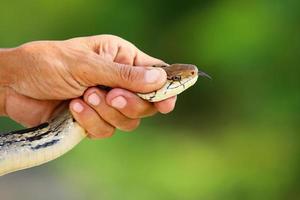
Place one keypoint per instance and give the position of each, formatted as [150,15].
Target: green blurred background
[235,137]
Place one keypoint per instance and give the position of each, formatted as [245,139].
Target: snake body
[34,146]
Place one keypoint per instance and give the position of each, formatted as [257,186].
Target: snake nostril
[192,72]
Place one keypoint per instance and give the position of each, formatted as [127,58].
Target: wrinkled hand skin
[37,78]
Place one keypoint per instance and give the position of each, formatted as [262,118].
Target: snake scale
[34,146]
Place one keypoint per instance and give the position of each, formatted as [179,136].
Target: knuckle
[141,111]
[107,132]
[101,132]
[128,73]
[28,49]
[132,125]
[150,113]
[25,48]
[134,114]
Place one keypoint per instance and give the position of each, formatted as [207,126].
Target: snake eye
[176,78]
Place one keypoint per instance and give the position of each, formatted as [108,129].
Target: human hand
[40,76]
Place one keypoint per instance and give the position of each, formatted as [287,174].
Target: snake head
[178,72]
[179,78]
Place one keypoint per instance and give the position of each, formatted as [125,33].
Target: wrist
[8,62]
[2,101]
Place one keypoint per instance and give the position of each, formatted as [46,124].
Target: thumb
[134,78]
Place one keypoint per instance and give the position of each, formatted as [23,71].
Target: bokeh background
[235,137]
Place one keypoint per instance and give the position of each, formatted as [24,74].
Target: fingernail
[119,102]
[77,107]
[152,75]
[94,99]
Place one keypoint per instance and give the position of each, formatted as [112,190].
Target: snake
[34,146]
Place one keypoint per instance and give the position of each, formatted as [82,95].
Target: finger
[130,104]
[96,71]
[96,99]
[130,55]
[125,55]
[142,59]
[167,105]
[90,120]
[117,49]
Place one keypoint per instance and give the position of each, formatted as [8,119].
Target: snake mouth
[182,84]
